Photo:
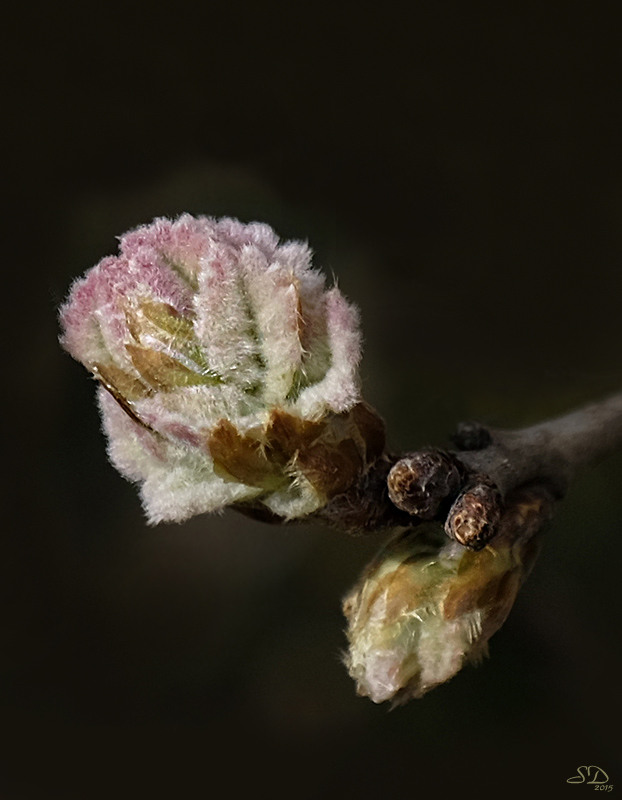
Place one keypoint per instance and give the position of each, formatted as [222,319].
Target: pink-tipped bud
[228,372]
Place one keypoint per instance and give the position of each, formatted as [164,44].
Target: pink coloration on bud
[228,372]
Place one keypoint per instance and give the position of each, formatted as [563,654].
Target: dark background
[458,167]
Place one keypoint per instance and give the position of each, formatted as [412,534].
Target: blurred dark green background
[458,167]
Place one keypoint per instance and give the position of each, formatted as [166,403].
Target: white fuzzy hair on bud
[425,607]
[216,347]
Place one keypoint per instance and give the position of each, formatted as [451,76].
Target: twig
[466,489]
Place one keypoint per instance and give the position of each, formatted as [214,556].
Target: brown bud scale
[422,482]
[473,519]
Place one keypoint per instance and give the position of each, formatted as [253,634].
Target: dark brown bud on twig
[471,436]
[420,483]
[473,519]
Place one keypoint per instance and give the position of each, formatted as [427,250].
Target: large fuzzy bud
[426,606]
[228,372]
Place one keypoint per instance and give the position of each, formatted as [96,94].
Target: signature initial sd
[600,778]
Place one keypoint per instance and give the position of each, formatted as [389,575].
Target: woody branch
[466,488]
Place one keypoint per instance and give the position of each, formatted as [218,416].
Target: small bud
[426,606]
[228,372]
[474,517]
[471,436]
[421,483]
